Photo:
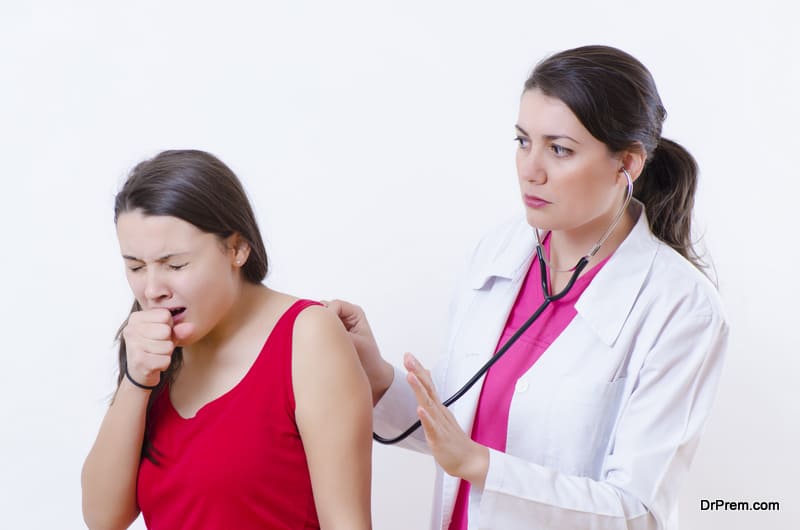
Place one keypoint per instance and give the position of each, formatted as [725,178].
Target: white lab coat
[602,429]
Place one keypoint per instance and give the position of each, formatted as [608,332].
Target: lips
[535,202]
[177,314]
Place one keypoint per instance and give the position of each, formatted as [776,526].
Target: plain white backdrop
[375,141]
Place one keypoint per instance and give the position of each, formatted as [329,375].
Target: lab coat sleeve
[656,437]
[397,408]
[396,411]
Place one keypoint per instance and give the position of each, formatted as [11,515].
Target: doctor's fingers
[352,316]
[431,416]
[424,375]
[442,432]
[423,396]
[448,442]
[428,401]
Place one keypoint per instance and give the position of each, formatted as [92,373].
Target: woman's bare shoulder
[318,328]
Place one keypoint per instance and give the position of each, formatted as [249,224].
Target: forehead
[152,236]
[540,114]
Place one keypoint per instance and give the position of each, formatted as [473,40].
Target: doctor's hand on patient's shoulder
[379,372]
[150,338]
[456,453]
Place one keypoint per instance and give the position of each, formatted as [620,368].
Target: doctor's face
[568,179]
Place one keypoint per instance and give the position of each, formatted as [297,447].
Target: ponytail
[667,187]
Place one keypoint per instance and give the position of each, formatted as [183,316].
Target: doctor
[591,419]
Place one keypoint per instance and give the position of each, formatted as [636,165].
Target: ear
[238,248]
[633,160]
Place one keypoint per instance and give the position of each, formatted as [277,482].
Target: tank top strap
[275,360]
[286,322]
[284,327]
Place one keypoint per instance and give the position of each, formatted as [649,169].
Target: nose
[155,288]
[530,167]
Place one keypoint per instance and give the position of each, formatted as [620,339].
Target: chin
[187,341]
[536,220]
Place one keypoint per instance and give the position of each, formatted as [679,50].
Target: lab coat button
[522,385]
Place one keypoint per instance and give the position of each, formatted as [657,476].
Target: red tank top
[239,462]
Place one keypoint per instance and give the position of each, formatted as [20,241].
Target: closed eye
[177,267]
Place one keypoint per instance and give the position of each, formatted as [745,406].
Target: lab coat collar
[509,259]
[607,301]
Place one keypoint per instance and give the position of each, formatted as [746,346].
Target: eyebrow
[548,136]
[161,259]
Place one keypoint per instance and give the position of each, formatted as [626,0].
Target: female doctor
[591,418]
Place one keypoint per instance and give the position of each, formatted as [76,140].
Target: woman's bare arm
[334,416]
[109,473]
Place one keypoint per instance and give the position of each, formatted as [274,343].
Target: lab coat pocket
[581,417]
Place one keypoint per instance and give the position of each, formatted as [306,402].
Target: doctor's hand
[379,372]
[454,451]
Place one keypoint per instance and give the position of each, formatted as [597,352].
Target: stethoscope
[548,298]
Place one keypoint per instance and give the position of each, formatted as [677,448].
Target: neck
[568,246]
[216,342]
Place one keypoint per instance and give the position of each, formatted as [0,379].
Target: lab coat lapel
[495,284]
[608,300]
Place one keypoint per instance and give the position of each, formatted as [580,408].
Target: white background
[375,141]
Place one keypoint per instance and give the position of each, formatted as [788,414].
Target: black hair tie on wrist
[137,383]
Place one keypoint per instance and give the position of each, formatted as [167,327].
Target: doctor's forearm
[380,375]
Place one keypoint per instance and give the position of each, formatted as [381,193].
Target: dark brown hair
[615,98]
[197,187]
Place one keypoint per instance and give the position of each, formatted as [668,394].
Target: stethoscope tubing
[576,271]
[503,349]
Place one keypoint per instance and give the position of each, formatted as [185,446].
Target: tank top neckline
[235,389]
